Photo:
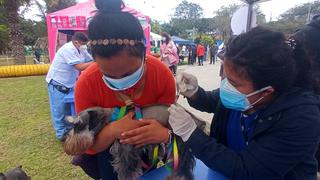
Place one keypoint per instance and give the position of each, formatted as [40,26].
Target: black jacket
[282,146]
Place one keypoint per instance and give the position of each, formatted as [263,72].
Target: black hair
[111,22]
[264,57]
[79,36]
[308,39]
[167,36]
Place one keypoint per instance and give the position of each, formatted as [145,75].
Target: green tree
[294,18]
[207,40]
[186,10]
[222,19]
[55,5]
[4,36]
[11,8]
[156,27]
[186,17]
[32,30]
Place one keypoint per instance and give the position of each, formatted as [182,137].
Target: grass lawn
[26,132]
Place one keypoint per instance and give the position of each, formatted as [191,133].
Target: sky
[162,10]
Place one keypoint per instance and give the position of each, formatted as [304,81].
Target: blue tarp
[181,41]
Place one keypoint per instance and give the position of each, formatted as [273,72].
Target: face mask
[83,47]
[163,38]
[231,98]
[124,83]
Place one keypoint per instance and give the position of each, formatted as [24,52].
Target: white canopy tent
[155,38]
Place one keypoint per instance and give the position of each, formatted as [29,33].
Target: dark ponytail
[109,5]
[111,23]
[308,41]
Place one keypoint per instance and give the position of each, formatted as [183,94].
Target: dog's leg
[126,161]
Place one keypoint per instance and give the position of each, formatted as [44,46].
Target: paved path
[208,78]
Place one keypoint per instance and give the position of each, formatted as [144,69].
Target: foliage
[27,135]
[11,9]
[186,10]
[55,5]
[222,19]
[4,36]
[186,17]
[294,17]
[207,40]
[32,30]
[156,27]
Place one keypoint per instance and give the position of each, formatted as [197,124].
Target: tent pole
[250,12]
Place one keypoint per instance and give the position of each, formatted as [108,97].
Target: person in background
[266,121]
[37,55]
[121,76]
[70,59]
[213,53]
[200,54]
[189,50]
[169,53]
[194,54]
[309,37]
[154,50]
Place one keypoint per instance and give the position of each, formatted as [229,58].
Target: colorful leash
[173,147]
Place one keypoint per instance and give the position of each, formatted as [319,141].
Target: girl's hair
[111,23]
[266,58]
[308,38]
[167,36]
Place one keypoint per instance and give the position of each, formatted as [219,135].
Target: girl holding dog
[121,75]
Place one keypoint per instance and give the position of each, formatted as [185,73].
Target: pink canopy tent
[77,18]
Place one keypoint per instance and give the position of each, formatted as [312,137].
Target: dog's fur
[127,160]
[15,174]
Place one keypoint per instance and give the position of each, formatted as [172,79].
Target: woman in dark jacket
[309,37]
[266,124]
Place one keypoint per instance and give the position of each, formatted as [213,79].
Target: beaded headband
[292,43]
[120,42]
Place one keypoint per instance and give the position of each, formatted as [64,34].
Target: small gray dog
[127,161]
[15,174]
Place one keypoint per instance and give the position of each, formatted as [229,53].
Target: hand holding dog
[113,131]
[125,124]
[151,133]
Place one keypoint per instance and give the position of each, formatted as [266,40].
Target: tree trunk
[15,35]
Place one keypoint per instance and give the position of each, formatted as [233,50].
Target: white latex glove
[181,122]
[187,84]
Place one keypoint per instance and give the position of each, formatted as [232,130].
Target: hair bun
[109,5]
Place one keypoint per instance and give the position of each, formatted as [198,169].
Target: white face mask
[126,82]
[83,47]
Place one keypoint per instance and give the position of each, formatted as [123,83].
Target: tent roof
[155,36]
[181,41]
[88,9]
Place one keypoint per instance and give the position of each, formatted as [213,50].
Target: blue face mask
[231,98]
[124,83]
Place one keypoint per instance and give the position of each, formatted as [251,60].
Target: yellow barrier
[24,70]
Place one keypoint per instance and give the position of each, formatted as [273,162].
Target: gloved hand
[181,122]
[187,84]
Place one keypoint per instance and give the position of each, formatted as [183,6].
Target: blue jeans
[58,111]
